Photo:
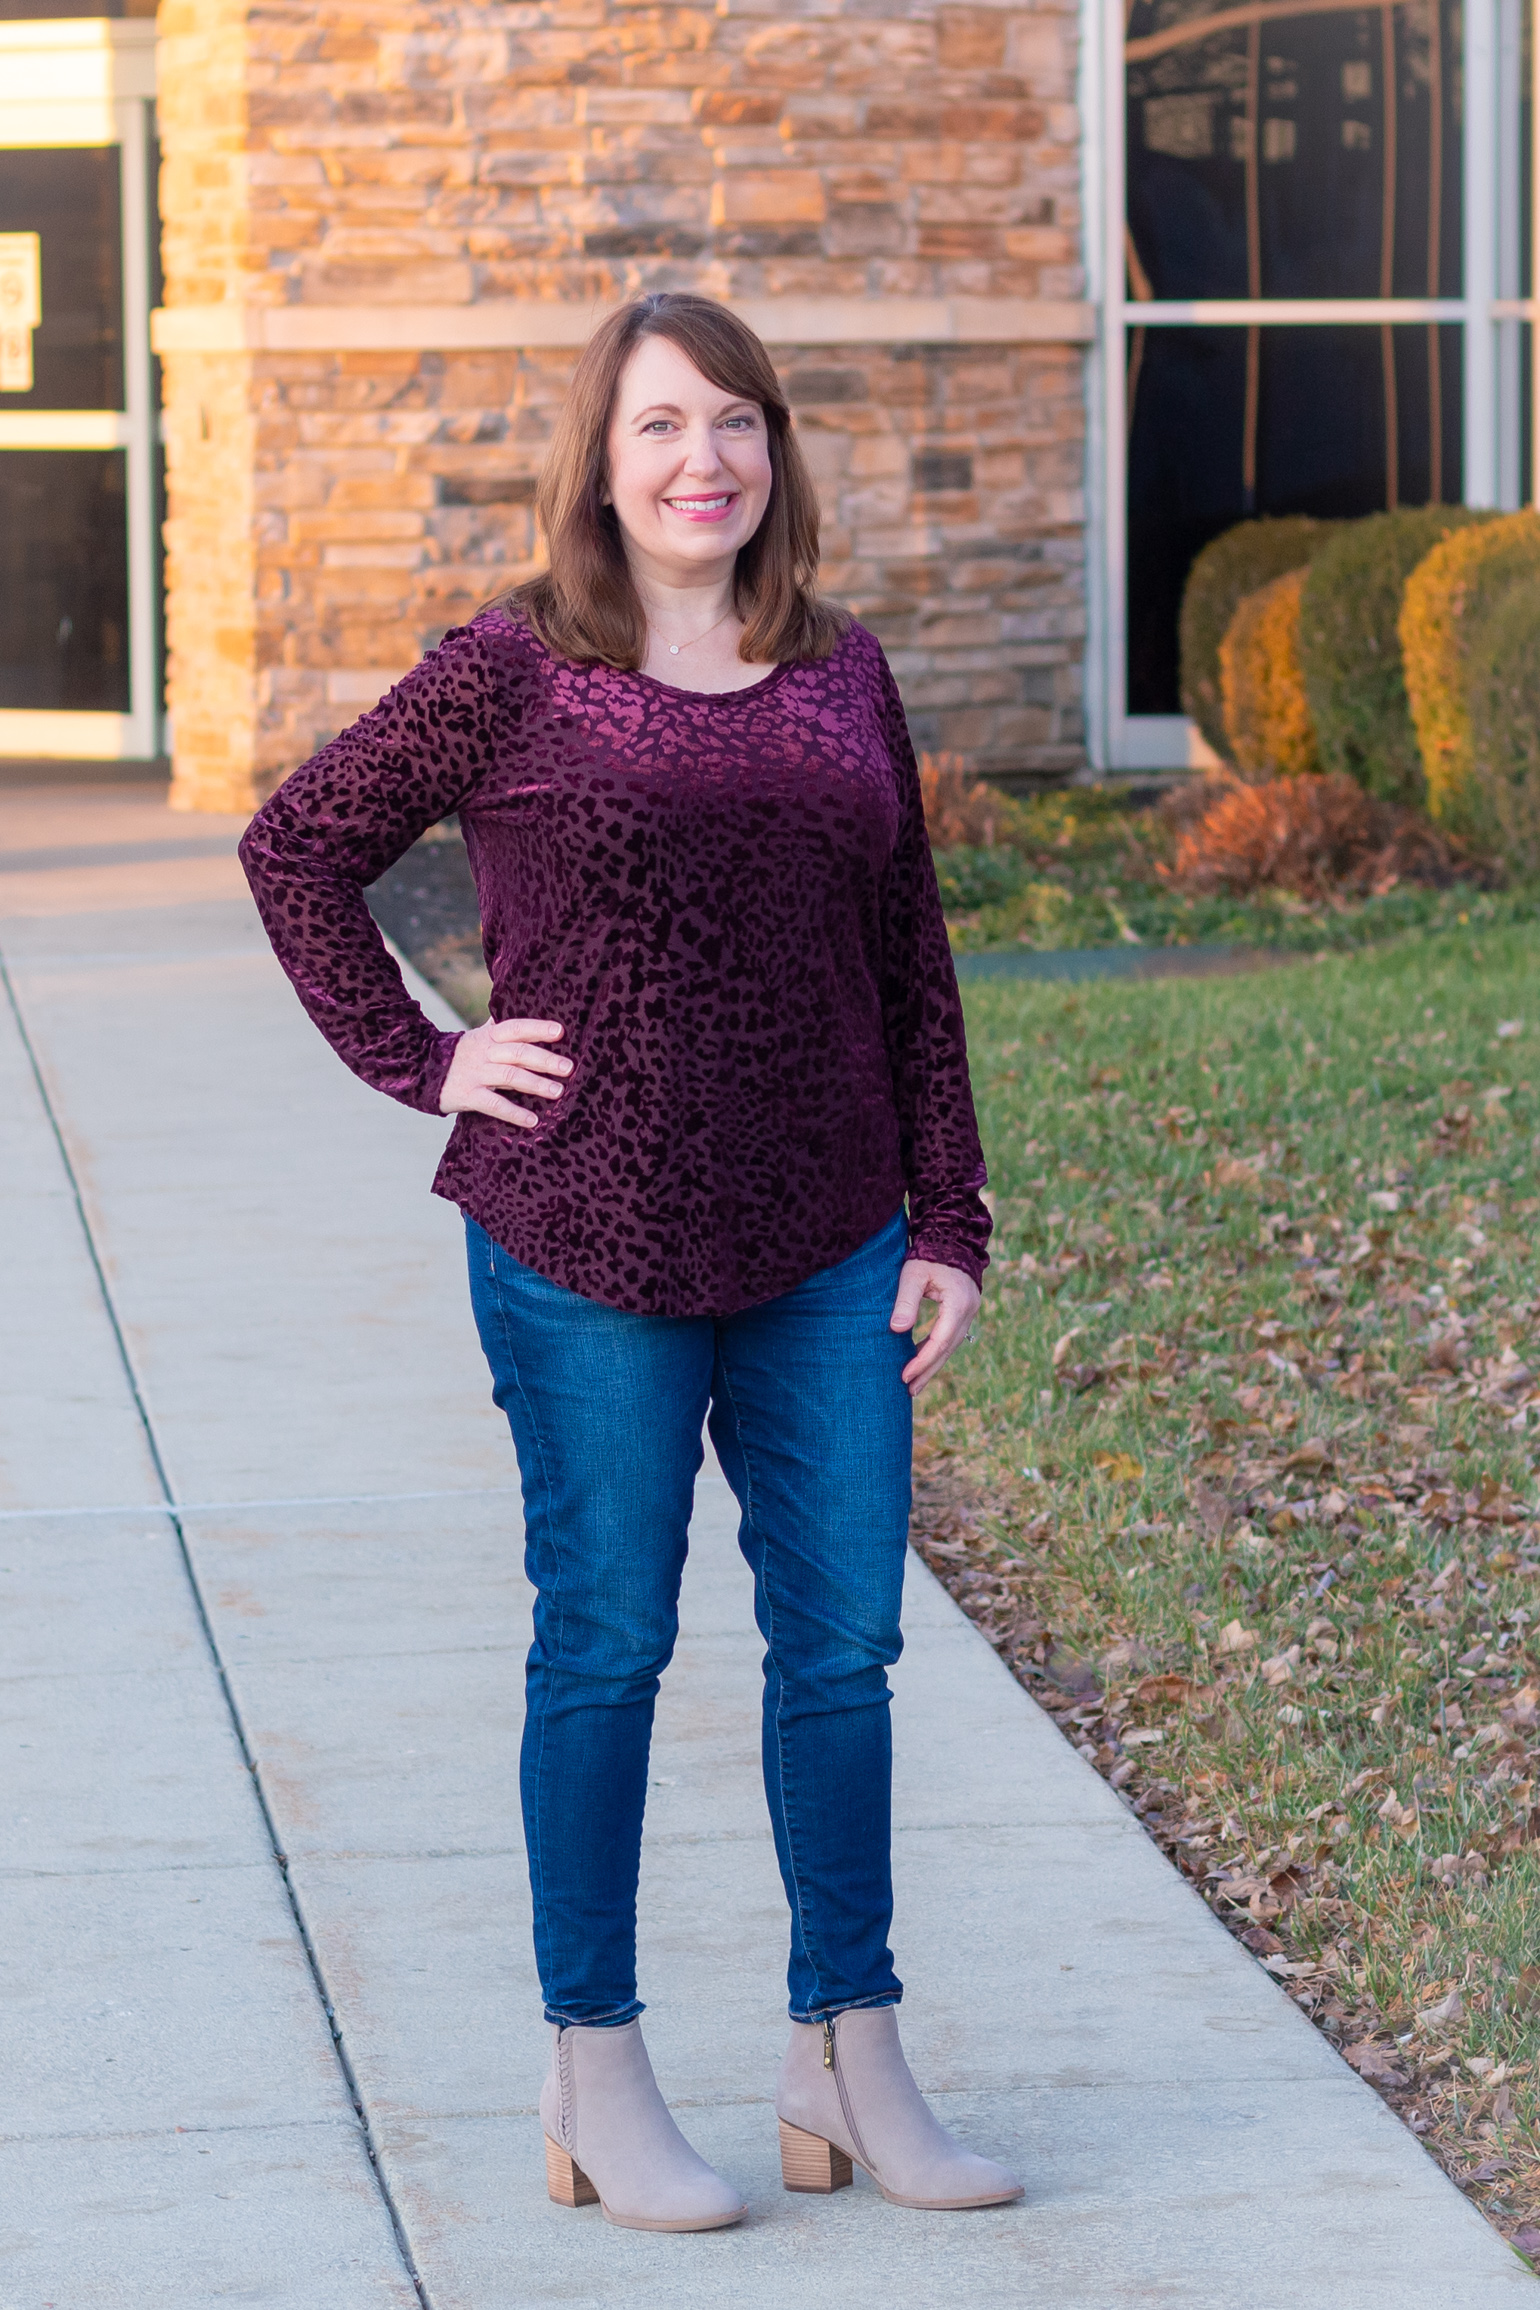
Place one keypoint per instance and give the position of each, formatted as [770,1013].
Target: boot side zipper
[831,2062]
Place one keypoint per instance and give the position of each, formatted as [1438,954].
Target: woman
[725,1047]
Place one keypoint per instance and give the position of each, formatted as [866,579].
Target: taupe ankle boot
[610,2140]
[845,2093]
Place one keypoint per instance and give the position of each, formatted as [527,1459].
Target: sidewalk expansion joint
[172,1510]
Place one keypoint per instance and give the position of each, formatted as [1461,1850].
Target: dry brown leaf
[1375,2063]
[1215,1512]
[1118,1467]
[1444,2014]
[1169,1687]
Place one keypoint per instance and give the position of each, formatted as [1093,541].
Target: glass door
[1312,265]
[79,610]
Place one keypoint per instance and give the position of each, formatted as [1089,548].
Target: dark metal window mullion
[1253,262]
[1388,248]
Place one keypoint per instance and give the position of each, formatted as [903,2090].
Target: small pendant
[673,649]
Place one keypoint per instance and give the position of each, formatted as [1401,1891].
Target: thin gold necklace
[674,648]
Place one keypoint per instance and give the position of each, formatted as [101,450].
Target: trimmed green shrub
[1449,596]
[1230,567]
[1503,702]
[1267,715]
[1350,646]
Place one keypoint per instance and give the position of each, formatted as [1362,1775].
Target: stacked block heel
[566,2183]
[810,2163]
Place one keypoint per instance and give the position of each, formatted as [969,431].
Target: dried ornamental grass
[1230,567]
[1449,594]
[1315,837]
[1266,712]
[961,811]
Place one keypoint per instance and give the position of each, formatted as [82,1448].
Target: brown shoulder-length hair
[584,605]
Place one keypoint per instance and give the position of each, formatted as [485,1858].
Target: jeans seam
[555,1540]
[780,1748]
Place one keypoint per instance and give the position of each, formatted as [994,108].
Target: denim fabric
[811,1423]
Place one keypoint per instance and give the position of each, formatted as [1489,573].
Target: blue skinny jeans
[811,1423]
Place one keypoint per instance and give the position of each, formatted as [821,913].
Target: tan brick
[970,39]
[665,107]
[769,196]
[738,108]
[392,490]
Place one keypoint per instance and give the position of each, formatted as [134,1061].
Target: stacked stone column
[387,229]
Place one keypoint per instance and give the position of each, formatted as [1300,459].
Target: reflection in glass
[1313,402]
[69,196]
[1277,155]
[63,581]
[1293,156]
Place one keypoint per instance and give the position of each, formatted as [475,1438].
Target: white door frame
[91,81]
[1490,313]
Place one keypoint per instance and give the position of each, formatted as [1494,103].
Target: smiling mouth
[702,504]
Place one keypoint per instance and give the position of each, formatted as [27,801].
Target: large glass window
[64,581]
[70,198]
[1293,156]
[1224,423]
[79,459]
[1305,277]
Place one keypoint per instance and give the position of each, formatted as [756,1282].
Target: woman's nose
[701,452]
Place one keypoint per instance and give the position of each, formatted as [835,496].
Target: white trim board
[43,735]
[516,323]
[62,78]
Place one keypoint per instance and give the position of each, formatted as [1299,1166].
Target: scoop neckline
[677,690]
[634,673]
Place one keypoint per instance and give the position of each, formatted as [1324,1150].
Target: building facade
[289,293]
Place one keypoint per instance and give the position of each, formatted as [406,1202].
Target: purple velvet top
[728,902]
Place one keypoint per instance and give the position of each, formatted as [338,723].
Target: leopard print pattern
[729,904]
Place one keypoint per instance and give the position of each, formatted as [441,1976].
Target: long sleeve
[939,1150]
[337,823]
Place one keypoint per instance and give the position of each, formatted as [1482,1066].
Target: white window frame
[1490,313]
[90,81]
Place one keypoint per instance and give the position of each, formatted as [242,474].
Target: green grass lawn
[1240,1475]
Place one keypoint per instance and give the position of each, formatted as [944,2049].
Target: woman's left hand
[957,1299]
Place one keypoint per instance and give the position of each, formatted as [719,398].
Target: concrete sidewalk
[227,1287]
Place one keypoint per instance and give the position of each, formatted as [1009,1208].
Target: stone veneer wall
[331,512]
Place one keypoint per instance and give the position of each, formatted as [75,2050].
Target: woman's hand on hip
[957,1299]
[504,1055]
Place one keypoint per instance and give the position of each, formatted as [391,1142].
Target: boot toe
[704,2202]
[957,2184]
[964,2181]
[995,2185]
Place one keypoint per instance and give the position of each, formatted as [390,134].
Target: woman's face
[689,466]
